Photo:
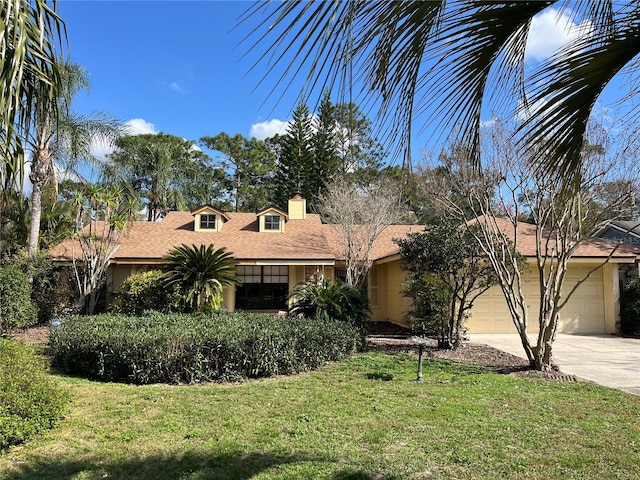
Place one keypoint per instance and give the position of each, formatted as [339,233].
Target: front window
[263,287]
[272,222]
[207,222]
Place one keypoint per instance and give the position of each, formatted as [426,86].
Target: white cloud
[139,126]
[268,129]
[136,126]
[177,88]
[551,30]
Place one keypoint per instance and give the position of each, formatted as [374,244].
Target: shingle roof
[302,240]
[591,247]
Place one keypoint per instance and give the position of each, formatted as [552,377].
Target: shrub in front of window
[199,273]
[145,291]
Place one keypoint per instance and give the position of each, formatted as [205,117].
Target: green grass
[358,419]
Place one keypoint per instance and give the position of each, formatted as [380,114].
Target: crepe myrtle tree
[359,215]
[494,201]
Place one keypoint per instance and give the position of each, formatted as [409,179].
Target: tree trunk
[40,170]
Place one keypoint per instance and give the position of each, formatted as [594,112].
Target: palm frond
[567,88]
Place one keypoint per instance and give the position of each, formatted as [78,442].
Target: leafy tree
[14,221]
[60,136]
[200,273]
[329,301]
[361,154]
[446,271]
[168,172]
[31,37]
[457,60]
[249,163]
[102,215]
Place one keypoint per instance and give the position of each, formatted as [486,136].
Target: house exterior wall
[395,304]
[379,308]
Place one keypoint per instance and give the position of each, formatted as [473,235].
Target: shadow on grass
[234,465]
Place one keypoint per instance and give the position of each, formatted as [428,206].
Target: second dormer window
[272,222]
[207,222]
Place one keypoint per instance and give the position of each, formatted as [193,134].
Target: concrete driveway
[605,359]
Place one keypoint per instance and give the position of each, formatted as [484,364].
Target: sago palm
[200,273]
[453,61]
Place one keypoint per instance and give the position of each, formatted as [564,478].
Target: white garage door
[583,314]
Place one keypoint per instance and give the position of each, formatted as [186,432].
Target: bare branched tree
[359,215]
[510,191]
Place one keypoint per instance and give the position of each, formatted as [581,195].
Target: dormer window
[208,219]
[272,222]
[207,222]
[271,219]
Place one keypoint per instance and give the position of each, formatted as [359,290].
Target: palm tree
[453,58]
[200,273]
[32,35]
[58,135]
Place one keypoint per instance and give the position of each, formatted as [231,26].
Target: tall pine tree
[295,157]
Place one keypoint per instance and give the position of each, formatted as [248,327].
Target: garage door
[583,314]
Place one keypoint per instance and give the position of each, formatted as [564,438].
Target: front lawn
[361,418]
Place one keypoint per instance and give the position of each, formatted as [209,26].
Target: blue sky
[176,66]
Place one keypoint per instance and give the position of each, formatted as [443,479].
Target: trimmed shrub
[29,401]
[16,309]
[630,308]
[145,291]
[174,348]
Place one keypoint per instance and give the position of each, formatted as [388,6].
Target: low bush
[630,308]
[330,301]
[29,400]
[177,348]
[145,291]
[16,309]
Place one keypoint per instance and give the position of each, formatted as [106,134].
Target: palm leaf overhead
[569,84]
[449,62]
[31,37]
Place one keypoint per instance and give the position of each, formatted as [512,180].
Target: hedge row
[29,400]
[175,348]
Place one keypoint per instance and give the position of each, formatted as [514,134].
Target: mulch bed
[393,338]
